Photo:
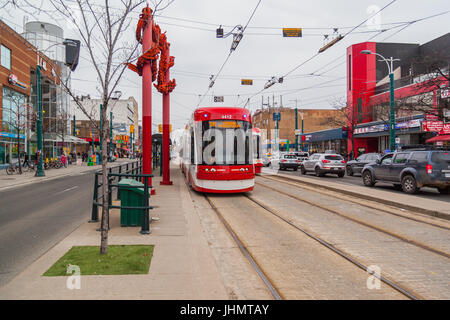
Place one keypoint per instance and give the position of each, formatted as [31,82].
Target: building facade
[18,93]
[125,120]
[420,91]
[313,120]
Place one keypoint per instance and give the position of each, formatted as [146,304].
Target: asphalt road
[427,193]
[35,217]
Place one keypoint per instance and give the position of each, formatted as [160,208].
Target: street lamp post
[40,169]
[390,65]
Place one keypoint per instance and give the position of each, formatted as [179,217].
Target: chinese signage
[436,126]
[445,93]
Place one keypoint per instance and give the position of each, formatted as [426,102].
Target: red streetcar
[217,150]
[257,149]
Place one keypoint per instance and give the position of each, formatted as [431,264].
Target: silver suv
[322,163]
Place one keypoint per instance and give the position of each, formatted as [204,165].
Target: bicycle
[13,168]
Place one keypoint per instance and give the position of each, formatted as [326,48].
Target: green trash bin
[131,197]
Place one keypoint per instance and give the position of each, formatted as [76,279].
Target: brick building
[18,63]
[313,120]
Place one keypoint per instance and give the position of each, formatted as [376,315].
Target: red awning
[445,137]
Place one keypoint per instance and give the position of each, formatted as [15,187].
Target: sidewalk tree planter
[120,259]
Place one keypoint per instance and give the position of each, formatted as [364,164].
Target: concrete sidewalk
[17,180]
[182,266]
[435,208]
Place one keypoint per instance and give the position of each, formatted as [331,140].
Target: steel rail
[387,281]
[336,212]
[245,252]
[308,186]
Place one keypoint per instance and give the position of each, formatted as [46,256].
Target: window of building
[5,58]
[349,72]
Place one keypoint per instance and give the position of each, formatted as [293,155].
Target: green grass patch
[120,259]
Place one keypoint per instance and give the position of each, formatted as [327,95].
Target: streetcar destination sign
[292,32]
[247,82]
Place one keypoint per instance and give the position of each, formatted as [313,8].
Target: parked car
[410,169]
[322,163]
[356,165]
[285,161]
[301,156]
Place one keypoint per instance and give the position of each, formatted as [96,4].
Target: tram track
[272,287]
[392,284]
[363,223]
[349,198]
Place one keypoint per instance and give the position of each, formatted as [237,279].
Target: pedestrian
[25,161]
[63,160]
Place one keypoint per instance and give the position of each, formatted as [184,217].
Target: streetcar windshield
[226,142]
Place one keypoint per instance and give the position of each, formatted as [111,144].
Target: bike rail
[131,170]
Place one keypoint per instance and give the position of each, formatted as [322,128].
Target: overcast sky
[199,54]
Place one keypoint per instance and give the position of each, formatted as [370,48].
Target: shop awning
[445,137]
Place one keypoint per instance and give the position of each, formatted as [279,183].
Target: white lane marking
[66,190]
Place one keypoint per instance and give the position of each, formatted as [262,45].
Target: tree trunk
[105,211]
[18,150]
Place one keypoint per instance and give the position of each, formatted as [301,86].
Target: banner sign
[11,135]
[384,127]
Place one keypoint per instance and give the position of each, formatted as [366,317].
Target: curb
[433,213]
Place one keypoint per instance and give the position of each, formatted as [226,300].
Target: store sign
[308,137]
[433,126]
[445,93]
[431,117]
[384,127]
[12,79]
[11,135]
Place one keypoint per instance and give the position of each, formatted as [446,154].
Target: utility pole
[296,126]
[40,170]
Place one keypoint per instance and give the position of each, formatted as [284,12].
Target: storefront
[18,94]
[374,136]
[331,139]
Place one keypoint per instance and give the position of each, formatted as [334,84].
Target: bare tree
[102,31]
[347,117]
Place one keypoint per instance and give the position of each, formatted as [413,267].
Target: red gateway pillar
[166,128]
[147,43]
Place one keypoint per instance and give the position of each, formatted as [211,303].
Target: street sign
[218,99]
[276,116]
[298,132]
[247,82]
[292,32]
